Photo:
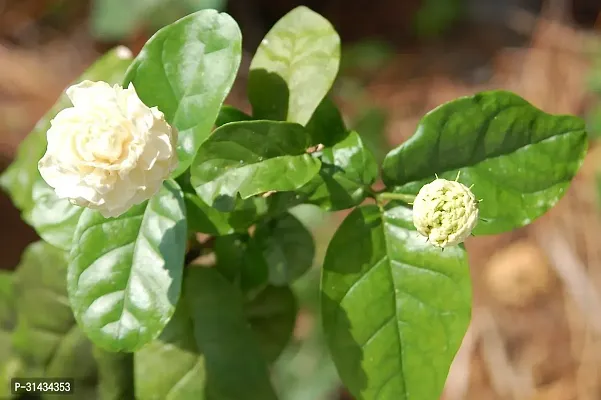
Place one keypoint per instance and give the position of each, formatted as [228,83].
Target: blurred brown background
[536,329]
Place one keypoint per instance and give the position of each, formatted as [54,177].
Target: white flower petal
[109,151]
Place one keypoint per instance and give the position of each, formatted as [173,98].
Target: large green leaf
[125,273]
[294,67]
[208,346]
[187,69]
[287,247]
[272,316]
[54,219]
[395,309]
[519,159]
[250,158]
[115,370]
[347,173]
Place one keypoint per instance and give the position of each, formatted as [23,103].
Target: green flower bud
[445,212]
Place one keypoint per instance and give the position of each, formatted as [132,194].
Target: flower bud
[445,212]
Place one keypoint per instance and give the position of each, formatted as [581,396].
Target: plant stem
[407,198]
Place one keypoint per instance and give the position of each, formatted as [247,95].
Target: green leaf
[18,179]
[241,262]
[394,308]
[249,158]
[272,316]
[294,67]
[187,69]
[229,114]
[347,173]
[371,124]
[206,219]
[116,372]
[125,273]
[326,124]
[287,247]
[53,219]
[208,345]
[519,159]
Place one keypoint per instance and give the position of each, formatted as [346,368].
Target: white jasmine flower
[109,151]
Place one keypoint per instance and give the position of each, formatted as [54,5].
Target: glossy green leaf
[272,316]
[208,345]
[187,69]
[519,159]
[125,273]
[294,67]
[250,158]
[19,179]
[394,308]
[287,247]
[116,375]
[326,124]
[229,114]
[348,170]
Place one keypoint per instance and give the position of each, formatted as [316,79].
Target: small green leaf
[294,67]
[287,247]
[326,124]
[519,159]
[19,179]
[347,172]
[208,346]
[229,114]
[394,308]
[272,316]
[250,158]
[187,69]
[116,375]
[125,273]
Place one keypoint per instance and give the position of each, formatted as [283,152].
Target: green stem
[407,198]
